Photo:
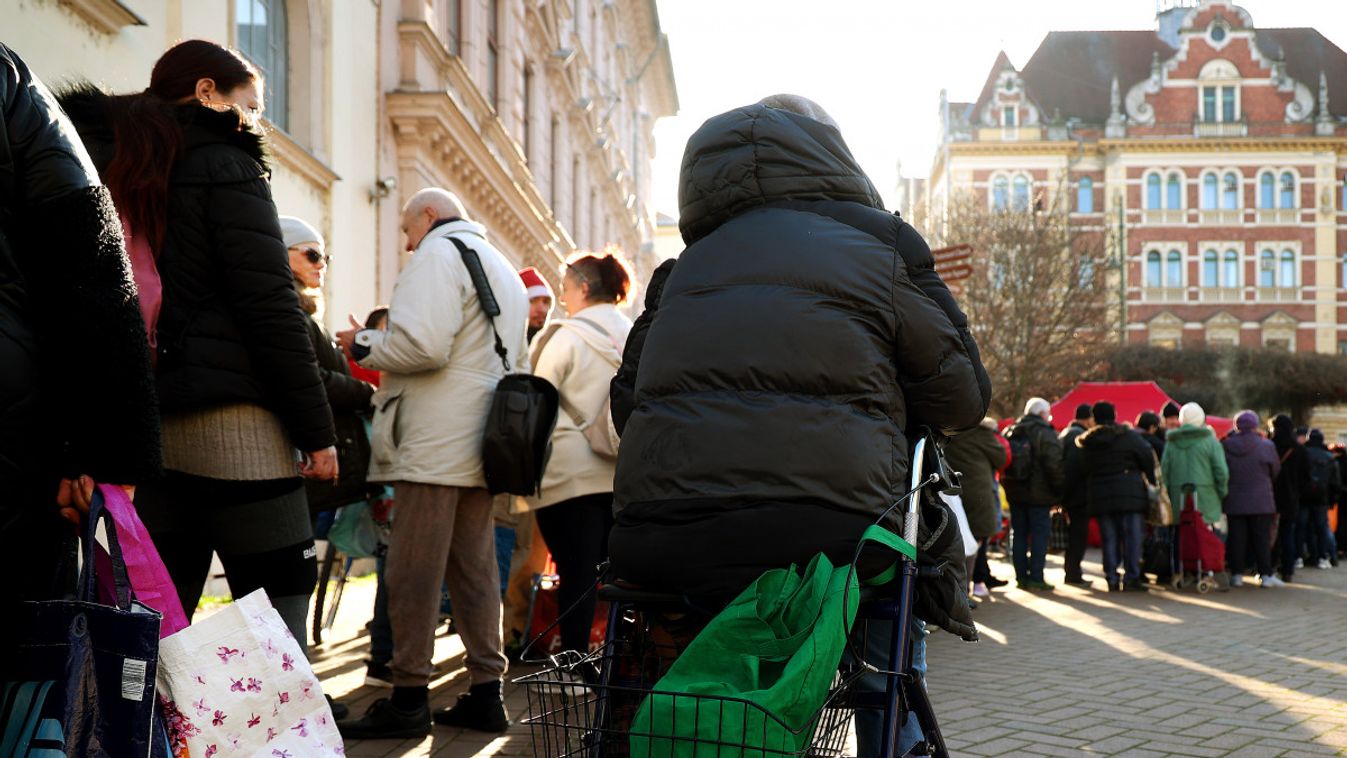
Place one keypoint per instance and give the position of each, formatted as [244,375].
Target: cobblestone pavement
[1251,672]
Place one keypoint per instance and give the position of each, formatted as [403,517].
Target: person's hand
[73,497]
[320,465]
[346,337]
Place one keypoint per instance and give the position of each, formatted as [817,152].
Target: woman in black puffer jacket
[349,397]
[236,373]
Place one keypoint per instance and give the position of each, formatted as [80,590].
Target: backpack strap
[485,297]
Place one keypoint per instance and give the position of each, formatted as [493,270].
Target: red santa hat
[535,284]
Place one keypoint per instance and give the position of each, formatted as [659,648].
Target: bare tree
[1038,296]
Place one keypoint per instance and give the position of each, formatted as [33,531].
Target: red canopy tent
[1130,398]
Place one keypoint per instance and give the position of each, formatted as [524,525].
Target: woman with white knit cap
[1194,456]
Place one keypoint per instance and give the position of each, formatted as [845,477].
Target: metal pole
[1122,273]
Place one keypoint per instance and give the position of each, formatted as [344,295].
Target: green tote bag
[755,679]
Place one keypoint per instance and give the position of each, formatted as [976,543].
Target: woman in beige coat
[579,355]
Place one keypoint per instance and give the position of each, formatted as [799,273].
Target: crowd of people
[159,327]
[1267,492]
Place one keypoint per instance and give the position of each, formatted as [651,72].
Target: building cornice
[107,16]
[1218,145]
[303,163]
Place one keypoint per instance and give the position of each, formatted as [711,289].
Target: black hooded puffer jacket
[800,338]
[230,328]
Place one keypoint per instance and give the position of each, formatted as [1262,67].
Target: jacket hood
[756,155]
[1101,436]
[1189,436]
[91,110]
[1243,443]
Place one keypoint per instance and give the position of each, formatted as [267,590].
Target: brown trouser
[529,558]
[443,534]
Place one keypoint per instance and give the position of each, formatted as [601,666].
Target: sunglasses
[314,256]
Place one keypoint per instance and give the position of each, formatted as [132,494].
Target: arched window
[1000,188]
[1209,191]
[1267,269]
[1154,270]
[1174,269]
[1288,190]
[1211,269]
[1085,195]
[1230,191]
[1266,191]
[1020,199]
[1174,192]
[1153,191]
[262,37]
[1286,275]
[1230,275]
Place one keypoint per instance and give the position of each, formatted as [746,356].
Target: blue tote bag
[76,676]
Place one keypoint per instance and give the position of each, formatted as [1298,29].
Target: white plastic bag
[237,683]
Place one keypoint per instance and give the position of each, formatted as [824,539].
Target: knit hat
[1246,421]
[1191,414]
[536,285]
[296,231]
[1083,412]
[1171,410]
[1104,413]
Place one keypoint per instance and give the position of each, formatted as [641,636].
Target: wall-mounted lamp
[383,188]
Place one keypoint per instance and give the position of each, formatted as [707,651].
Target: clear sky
[878,65]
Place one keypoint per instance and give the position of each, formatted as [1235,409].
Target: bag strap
[485,297]
[879,535]
[88,590]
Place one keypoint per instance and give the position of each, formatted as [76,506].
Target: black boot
[384,720]
[480,708]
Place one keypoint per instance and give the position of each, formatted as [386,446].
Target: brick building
[1217,148]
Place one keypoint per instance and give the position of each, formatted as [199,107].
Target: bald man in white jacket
[439,369]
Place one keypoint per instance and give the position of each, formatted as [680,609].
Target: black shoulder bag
[518,437]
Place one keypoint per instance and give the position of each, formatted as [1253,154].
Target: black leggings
[1249,532]
[260,530]
[576,532]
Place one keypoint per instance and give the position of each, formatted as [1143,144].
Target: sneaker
[980,590]
[993,583]
[1080,581]
[480,709]
[1236,580]
[1300,563]
[1324,563]
[378,675]
[1037,584]
[384,721]
[1272,581]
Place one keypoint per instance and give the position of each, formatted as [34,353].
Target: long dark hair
[149,135]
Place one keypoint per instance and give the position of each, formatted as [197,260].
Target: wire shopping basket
[584,707]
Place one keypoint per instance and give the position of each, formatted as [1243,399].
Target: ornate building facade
[539,115]
[1218,149]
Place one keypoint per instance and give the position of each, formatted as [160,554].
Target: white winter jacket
[439,362]
[580,362]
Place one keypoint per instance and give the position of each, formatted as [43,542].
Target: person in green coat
[1194,456]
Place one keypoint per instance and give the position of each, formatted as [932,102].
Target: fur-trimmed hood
[90,109]
[1101,436]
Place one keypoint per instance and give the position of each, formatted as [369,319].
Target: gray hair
[802,106]
[1037,406]
[445,203]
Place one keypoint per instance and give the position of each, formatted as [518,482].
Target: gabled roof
[1308,52]
[1072,72]
[988,87]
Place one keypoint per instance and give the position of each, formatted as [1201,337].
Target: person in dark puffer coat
[237,377]
[799,344]
[1117,463]
[76,391]
[1291,481]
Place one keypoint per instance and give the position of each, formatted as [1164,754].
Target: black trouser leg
[1236,544]
[982,571]
[1077,534]
[576,531]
